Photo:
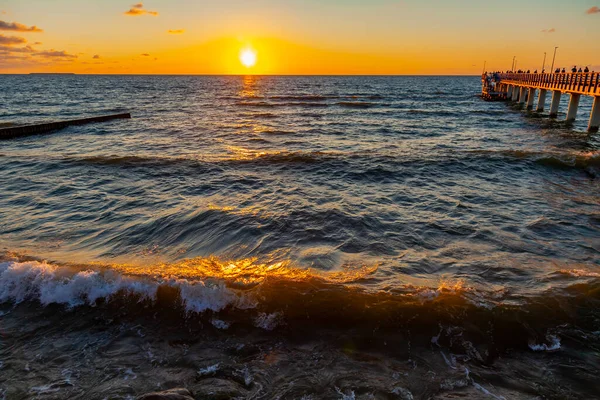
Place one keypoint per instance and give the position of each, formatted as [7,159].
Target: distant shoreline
[51,73]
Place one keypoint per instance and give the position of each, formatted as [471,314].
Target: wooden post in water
[26,130]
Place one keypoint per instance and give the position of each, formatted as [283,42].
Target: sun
[248,58]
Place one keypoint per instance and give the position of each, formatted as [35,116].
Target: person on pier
[574,69]
[563,71]
[586,70]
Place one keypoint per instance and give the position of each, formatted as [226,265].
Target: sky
[395,37]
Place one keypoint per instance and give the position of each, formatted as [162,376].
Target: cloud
[176,31]
[10,40]
[593,10]
[138,9]
[145,55]
[37,43]
[551,30]
[55,54]
[96,57]
[26,49]
[16,27]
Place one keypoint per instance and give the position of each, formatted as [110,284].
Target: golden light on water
[248,57]
[245,271]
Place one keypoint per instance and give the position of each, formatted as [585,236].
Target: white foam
[554,344]
[349,396]
[220,324]
[210,370]
[51,284]
[267,321]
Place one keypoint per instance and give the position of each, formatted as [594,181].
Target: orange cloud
[551,30]
[96,57]
[11,40]
[145,55]
[15,26]
[176,31]
[26,49]
[138,9]
[55,54]
[593,10]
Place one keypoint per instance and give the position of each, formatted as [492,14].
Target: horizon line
[224,74]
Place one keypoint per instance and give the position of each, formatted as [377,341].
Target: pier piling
[522,92]
[573,106]
[530,98]
[556,95]
[541,100]
[595,116]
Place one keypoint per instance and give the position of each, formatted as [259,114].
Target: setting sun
[248,57]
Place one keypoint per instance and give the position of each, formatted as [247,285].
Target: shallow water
[290,212]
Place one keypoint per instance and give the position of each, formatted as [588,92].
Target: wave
[556,159]
[285,157]
[356,104]
[269,295]
[302,98]
[263,115]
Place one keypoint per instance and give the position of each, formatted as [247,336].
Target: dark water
[296,237]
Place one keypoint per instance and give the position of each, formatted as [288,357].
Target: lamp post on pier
[553,58]
[544,63]
[512,68]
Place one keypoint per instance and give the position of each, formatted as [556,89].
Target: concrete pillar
[595,116]
[555,103]
[542,100]
[522,93]
[508,91]
[530,98]
[515,93]
[573,105]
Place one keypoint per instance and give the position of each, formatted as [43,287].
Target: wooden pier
[26,130]
[522,88]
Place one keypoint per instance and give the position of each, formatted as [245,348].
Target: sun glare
[248,58]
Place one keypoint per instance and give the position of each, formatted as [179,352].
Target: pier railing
[586,83]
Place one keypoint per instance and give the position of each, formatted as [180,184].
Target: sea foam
[52,284]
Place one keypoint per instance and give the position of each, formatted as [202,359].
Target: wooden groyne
[522,88]
[34,129]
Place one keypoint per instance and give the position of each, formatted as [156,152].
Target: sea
[296,237]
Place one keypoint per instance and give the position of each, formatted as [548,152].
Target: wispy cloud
[551,30]
[17,27]
[145,55]
[10,49]
[55,54]
[138,9]
[11,40]
[96,57]
[176,31]
[593,10]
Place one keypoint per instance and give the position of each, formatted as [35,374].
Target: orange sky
[294,37]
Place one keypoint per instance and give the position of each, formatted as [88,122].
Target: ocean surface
[296,238]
